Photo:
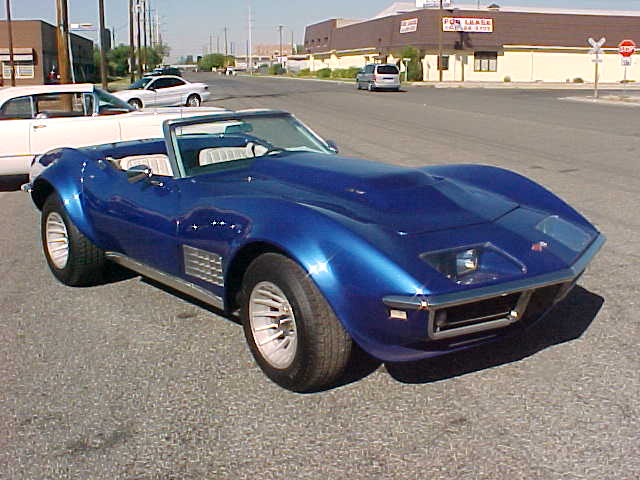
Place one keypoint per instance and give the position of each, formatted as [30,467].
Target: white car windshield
[206,146]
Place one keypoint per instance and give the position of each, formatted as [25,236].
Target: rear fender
[63,178]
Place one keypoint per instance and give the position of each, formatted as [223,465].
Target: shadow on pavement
[568,321]
[12,183]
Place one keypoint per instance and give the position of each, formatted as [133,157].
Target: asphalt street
[131,381]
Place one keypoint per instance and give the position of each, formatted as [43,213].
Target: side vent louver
[203,265]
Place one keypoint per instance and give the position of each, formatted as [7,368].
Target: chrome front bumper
[524,288]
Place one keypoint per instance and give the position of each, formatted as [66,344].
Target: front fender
[61,171]
[350,271]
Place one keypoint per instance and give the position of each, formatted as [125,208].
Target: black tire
[358,86]
[370,87]
[135,103]
[321,346]
[193,101]
[84,263]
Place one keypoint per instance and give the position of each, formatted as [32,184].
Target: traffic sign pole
[596,50]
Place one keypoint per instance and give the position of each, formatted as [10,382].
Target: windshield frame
[103,96]
[171,138]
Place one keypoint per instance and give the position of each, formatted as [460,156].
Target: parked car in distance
[165,90]
[378,77]
[166,71]
[36,119]
[252,212]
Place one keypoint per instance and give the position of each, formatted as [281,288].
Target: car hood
[405,200]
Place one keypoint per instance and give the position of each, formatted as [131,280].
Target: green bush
[324,73]
[276,69]
[345,72]
[507,79]
[305,72]
[578,80]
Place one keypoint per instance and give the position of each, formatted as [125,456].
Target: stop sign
[626,48]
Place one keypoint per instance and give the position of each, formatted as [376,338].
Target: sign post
[626,48]
[406,68]
[598,55]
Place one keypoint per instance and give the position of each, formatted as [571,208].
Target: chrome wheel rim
[273,325]
[194,102]
[57,240]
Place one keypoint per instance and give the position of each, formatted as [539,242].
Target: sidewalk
[527,85]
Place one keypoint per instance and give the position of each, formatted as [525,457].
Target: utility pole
[280,27]
[132,50]
[250,46]
[62,20]
[144,30]
[226,47]
[210,43]
[293,50]
[440,71]
[103,53]
[11,62]
[139,39]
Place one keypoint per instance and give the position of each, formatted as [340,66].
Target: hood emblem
[540,246]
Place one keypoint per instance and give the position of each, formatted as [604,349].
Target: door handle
[35,127]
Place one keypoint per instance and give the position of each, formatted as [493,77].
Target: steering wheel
[259,147]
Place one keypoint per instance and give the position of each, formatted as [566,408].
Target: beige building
[482,44]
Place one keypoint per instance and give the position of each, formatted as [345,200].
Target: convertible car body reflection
[254,213]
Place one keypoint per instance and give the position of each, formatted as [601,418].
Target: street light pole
[103,53]
[440,43]
[11,62]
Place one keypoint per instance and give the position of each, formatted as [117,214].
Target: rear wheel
[193,101]
[71,256]
[135,103]
[370,87]
[291,330]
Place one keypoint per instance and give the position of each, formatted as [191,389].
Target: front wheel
[72,257]
[370,87]
[291,330]
[193,101]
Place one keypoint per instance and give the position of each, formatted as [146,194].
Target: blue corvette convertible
[252,212]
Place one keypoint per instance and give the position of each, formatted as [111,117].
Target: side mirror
[333,146]
[138,172]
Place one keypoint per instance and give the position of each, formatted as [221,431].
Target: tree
[215,60]
[414,72]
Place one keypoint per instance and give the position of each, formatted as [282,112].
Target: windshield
[230,141]
[108,104]
[140,84]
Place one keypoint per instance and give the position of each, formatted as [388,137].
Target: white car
[39,118]
[164,90]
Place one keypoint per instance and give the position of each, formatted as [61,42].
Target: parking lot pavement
[131,381]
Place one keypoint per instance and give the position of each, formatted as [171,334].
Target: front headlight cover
[568,234]
[474,264]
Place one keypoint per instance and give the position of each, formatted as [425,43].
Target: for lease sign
[467,24]
[410,25]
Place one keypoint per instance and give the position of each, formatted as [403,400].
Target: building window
[443,62]
[486,62]
[23,69]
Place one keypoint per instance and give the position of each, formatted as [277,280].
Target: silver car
[374,77]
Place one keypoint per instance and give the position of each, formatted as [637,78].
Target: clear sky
[188,25]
